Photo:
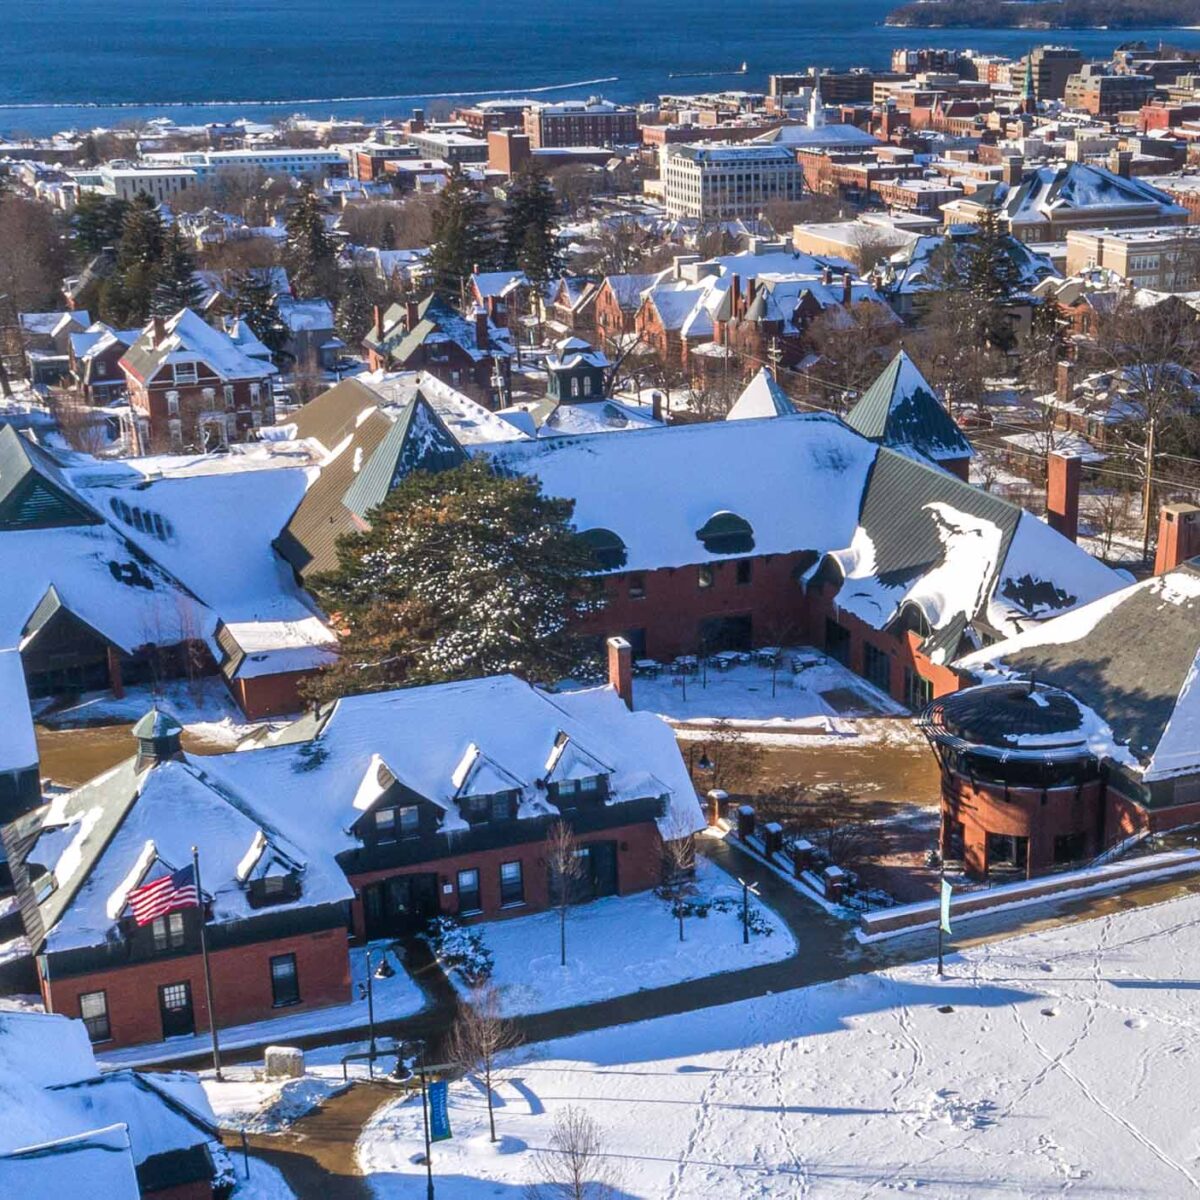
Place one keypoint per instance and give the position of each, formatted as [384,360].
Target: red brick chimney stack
[412,314]
[751,291]
[1063,472]
[482,337]
[160,331]
[620,669]
[847,289]
[1178,536]
[378,314]
[1064,381]
[735,293]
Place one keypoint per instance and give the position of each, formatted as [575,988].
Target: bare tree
[565,865]
[735,758]
[678,869]
[82,426]
[827,816]
[575,1166]
[479,1036]
[855,344]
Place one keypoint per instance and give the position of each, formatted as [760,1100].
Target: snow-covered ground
[743,695]
[265,1182]
[1061,1062]
[204,706]
[624,944]
[394,998]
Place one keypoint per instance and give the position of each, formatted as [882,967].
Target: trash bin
[802,854]
[835,883]
[745,821]
[772,838]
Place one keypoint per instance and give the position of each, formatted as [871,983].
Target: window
[918,691]
[274,885]
[175,432]
[745,571]
[254,393]
[385,824]
[637,587]
[285,982]
[93,1011]
[228,394]
[512,884]
[877,667]
[704,577]
[168,932]
[468,891]
[575,387]
[185,372]
[172,403]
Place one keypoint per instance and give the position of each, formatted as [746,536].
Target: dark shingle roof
[900,409]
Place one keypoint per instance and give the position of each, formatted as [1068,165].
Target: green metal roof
[901,409]
[34,492]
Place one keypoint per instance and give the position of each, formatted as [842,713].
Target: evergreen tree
[128,295]
[99,221]
[991,278]
[255,303]
[176,285]
[354,311]
[460,237]
[529,218]
[309,252]
[462,573]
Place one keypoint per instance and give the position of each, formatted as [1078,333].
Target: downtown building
[724,183]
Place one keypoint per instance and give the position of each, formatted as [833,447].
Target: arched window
[726,533]
[607,549]
[587,385]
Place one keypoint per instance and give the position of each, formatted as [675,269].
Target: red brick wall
[241,985]
[674,604]
[639,863]
[1020,812]
[269,695]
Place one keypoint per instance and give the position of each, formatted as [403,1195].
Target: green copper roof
[901,410]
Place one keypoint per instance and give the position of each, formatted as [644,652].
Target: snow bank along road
[1063,1061]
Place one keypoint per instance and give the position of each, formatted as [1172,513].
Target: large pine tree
[176,285]
[99,221]
[309,251]
[461,240]
[354,311]
[127,297]
[990,276]
[255,303]
[462,573]
[529,220]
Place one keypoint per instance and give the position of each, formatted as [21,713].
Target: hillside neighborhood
[535,625]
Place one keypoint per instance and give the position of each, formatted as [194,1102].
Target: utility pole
[1148,489]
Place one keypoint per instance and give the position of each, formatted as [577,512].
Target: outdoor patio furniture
[685,664]
[647,667]
[724,660]
[766,656]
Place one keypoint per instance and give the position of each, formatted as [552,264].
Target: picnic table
[648,667]
[767,656]
[685,664]
[723,660]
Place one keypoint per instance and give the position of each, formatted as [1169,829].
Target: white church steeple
[816,105]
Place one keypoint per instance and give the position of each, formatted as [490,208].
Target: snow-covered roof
[190,339]
[1133,656]
[761,397]
[1047,191]
[18,746]
[594,416]
[301,316]
[437,739]
[823,137]
[47,324]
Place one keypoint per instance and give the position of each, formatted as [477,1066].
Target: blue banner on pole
[947,892]
[439,1111]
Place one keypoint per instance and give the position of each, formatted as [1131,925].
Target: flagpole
[208,989]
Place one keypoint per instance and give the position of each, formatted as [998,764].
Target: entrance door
[175,1006]
[726,633]
[599,870]
[400,905]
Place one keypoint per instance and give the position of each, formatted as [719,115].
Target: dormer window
[392,824]
[282,887]
[168,932]
[185,372]
[500,806]
[568,793]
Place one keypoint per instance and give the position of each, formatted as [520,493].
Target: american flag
[164,895]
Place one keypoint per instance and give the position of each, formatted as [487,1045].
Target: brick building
[415,803]
[192,387]
[1081,733]
[593,122]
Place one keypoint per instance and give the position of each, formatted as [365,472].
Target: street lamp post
[384,971]
[747,890]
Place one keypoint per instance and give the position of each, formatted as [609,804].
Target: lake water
[67,63]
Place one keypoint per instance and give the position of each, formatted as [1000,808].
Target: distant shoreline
[1047,15]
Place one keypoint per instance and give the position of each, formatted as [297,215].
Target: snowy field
[813,698]
[1061,1062]
[624,944]
[394,998]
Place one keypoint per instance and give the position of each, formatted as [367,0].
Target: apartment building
[717,183]
[593,122]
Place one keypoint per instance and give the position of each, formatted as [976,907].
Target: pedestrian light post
[748,890]
[385,970]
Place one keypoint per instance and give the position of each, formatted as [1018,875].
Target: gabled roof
[761,397]
[34,491]
[901,410]
[190,339]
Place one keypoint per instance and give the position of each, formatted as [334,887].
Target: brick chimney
[827,276]
[620,669]
[1064,381]
[482,337]
[735,296]
[160,331]
[378,315]
[1063,471]
[1013,170]
[656,405]
[1178,536]
[412,314]
[847,289]
[751,291]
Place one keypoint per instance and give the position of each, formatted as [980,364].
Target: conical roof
[901,410]
[762,397]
